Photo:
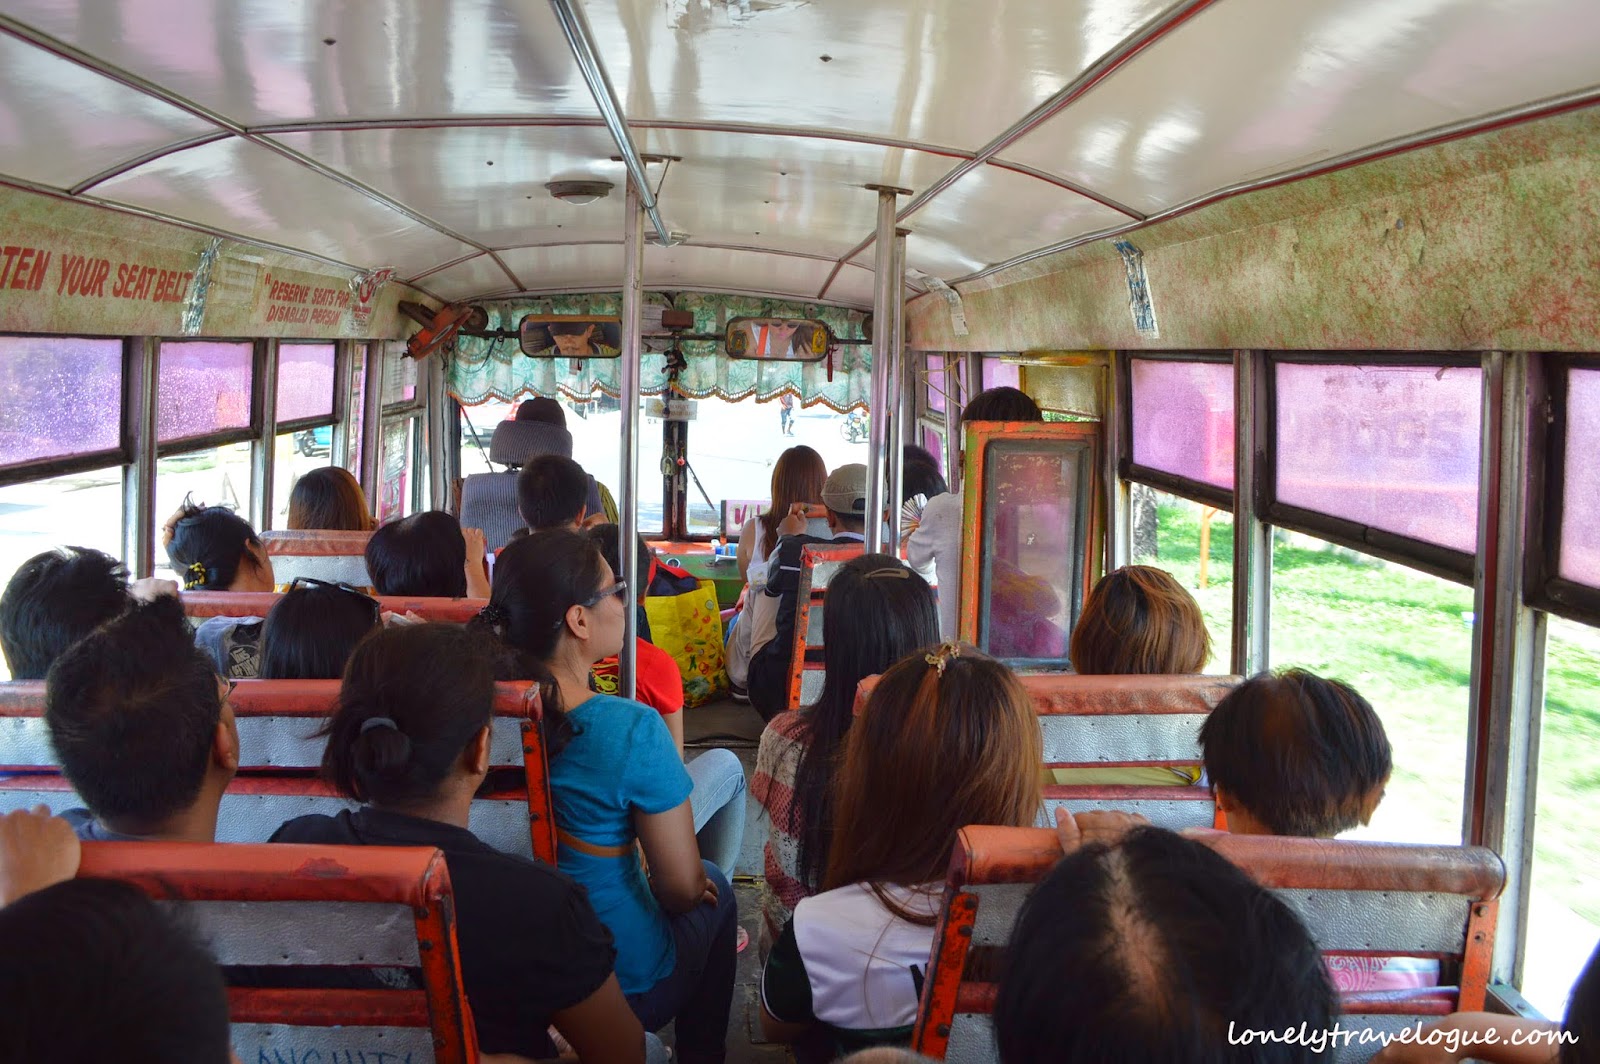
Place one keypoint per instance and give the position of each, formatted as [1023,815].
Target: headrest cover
[516,442]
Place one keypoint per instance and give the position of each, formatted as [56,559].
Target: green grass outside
[1403,639]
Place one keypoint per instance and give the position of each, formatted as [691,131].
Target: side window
[305,419]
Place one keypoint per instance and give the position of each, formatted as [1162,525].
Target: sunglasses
[618,589]
[339,585]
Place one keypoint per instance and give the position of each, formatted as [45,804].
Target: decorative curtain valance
[482,370]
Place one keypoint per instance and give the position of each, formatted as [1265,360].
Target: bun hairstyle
[208,543]
[413,697]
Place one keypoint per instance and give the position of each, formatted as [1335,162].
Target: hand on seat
[1077,830]
[37,850]
[794,522]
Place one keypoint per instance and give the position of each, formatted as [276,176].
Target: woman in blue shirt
[619,788]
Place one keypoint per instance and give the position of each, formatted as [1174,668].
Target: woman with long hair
[410,741]
[312,630]
[619,787]
[878,611]
[947,739]
[330,498]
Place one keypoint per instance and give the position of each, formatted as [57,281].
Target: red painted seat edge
[277,698]
[260,603]
[1069,694]
[324,1007]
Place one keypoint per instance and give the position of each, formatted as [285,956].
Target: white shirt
[937,540]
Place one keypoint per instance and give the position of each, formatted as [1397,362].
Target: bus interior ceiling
[1231,179]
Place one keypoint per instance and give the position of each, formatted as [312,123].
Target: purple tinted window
[997,374]
[1035,511]
[205,387]
[1392,447]
[1580,491]
[63,396]
[1183,419]
[935,384]
[933,443]
[305,381]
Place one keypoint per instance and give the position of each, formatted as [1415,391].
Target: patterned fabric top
[777,762]
[482,369]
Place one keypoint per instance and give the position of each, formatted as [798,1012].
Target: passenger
[1138,620]
[878,612]
[91,969]
[553,492]
[410,740]
[919,474]
[211,548]
[844,494]
[311,632]
[142,725]
[489,500]
[1294,754]
[54,600]
[657,680]
[330,498]
[797,477]
[428,555]
[947,739]
[936,540]
[617,780]
[1155,948]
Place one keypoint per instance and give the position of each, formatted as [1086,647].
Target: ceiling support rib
[581,39]
[1097,72]
[1399,146]
[148,157]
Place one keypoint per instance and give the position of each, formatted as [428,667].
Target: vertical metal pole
[343,386]
[628,502]
[885,294]
[372,423]
[441,444]
[139,476]
[1252,544]
[954,396]
[263,449]
[1114,416]
[1507,652]
[895,400]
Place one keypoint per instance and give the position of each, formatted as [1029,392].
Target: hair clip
[494,614]
[888,572]
[377,722]
[942,655]
[196,577]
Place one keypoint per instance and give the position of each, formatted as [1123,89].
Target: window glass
[399,376]
[353,411]
[396,468]
[935,384]
[1403,639]
[997,373]
[733,447]
[219,476]
[294,455]
[305,381]
[1580,490]
[204,388]
[76,510]
[1183,418]
[1392,447]
[1175,534]
[1564,905]
[63,396]
[933,443]
[1035,512]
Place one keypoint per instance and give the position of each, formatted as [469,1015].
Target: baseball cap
[845,490]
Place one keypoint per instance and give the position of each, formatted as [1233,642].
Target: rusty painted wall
[1486,242]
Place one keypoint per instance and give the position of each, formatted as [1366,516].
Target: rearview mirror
[778,339]
[567,336]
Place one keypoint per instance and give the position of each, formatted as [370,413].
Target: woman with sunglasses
[619,788]
[311,632]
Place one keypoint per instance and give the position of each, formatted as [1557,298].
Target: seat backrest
[309,911]
[1370,898]
[321,554]
[806,667]
[1109,722]
[279,752]
[259,604]
[489,502]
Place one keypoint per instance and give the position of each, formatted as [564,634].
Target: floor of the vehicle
[738,728]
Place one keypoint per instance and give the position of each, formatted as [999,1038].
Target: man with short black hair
[54,600]
[141,722]
[844,494]
[552,492]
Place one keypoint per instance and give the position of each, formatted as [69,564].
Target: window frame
[340,396]
[1545,589]
[1131,471]
[1431,558]
[65,465]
